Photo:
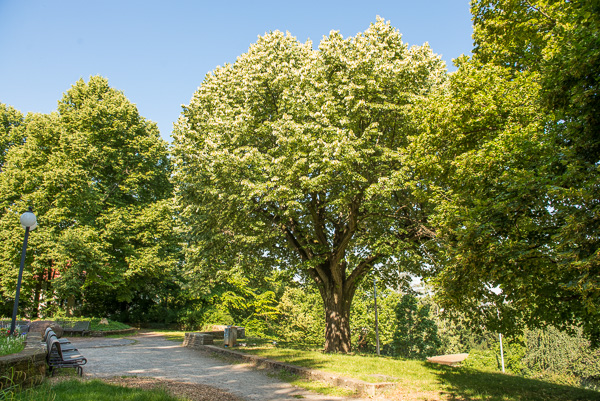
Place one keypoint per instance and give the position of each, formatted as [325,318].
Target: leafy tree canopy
[293,158]
[97,176]
[10,119]
[512,155]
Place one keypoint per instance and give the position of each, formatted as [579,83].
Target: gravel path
[151,355]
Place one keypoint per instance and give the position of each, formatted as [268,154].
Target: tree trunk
[70,306]
[36,297]
[337,319]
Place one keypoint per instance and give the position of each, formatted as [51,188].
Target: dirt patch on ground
[194,392]
[189,391]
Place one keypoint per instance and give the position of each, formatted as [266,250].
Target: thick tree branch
[295,244]
[360,270]
[317,217]
[343,237]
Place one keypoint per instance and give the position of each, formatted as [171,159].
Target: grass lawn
[93,390]
[423,380]
[420,380]
[172,335]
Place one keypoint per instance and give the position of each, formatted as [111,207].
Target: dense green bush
[416,335]
[301,317]
[489,359]
[561,357]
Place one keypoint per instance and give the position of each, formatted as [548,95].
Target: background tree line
[297,173]
[97,176]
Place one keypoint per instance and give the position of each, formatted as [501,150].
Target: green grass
[172,335]
[435,382]
[93,390]
[314,385]
[11,344]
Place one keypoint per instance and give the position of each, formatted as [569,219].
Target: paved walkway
[151,355]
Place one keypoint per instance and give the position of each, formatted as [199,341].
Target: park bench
[75,327]
[49,331]
[62,354]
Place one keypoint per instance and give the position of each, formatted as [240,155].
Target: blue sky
[158,52]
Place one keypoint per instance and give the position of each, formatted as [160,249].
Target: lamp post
[28,222]
[376,318]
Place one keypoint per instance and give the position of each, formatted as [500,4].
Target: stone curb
[360,386]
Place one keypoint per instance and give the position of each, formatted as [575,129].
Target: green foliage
[416,334]
[206,317]
[293,157]
[233,298]
[460,334]
[561,357]
[10,136]
[491,360]
[301,318]
[548,354]
[363,318]
[97,176]
[10,344]
[512,157]
[483,157]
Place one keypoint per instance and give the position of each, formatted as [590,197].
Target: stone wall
[193,340]
[26,368]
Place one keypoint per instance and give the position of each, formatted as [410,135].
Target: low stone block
[193,340]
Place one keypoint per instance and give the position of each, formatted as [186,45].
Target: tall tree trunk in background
[36,297]
[70,305]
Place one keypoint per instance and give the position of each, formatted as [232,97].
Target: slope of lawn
[423,380]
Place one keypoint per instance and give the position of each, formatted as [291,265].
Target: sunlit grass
[432,381]
[10,344]
[172,335]
[314,385]
[94,390]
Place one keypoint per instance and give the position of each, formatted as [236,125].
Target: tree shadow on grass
[470,384]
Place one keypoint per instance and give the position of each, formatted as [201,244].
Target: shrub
[417,334]
[301,317]
[10,344]
[561,357]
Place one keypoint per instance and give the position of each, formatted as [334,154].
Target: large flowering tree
[293,158]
